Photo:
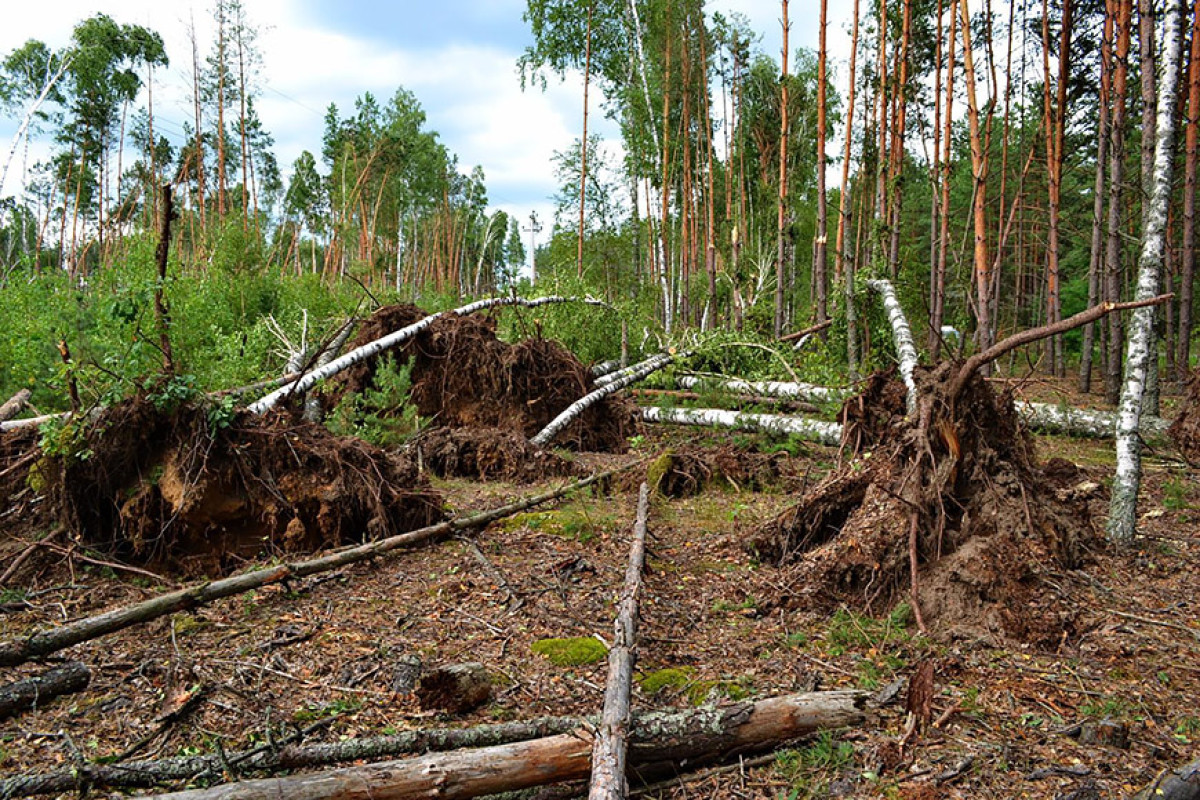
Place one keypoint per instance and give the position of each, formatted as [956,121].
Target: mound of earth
[954,489]
[191,492]
[462,376]
[490,453]
[687,470]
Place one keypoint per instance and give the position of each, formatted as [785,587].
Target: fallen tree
[906,351]
[828,433]
[360,354]
[609,751]
[21,649]
[29,692]
[656,741]
[13,405]
[652,363]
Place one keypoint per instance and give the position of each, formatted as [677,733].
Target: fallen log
[656,740]
[1178,784]
[359,354]
[282,754]
[815,430]
[559,423]
[29,692]
[605,367]
[902,335]
[13,405]
[783,389]
[655,361]
[740,399]
[26,648]
[610,747]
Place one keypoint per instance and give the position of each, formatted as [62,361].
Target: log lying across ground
[26,648]
[378,346]
[28,693]
[675,741]
[610,749]
[814,430]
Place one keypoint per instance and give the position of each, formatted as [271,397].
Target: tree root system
[952,490]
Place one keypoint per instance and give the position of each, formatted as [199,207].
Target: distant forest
[995,160]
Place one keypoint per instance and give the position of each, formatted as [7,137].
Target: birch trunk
[1123,511]
[610,747]
[902,334]
[814,430]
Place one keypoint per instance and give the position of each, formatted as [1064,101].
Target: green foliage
[674,679]
[312,712]
[807,770]
[573,652]
[574,522]
[848,630]
[382,414]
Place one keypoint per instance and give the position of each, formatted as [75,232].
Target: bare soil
[1003,712]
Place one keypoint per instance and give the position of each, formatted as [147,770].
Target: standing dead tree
[610,747]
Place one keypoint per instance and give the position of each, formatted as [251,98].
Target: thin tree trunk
[1116,180]
[938,284]
[221,178]
[842,272]
[783,174]
[610,747]
[1192,149]
[979,203]
[897,155]
[1096,256]
[583,174]
[198,141]
[1122,520]
[1147,57]
[1054,125]
[819,276]
[814,430]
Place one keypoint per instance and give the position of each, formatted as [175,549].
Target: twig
[1158,622]
[25,554]
[71,552]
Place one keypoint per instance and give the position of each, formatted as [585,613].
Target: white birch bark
[51,80]
[605,367]
[1122,516]
[902,333]
[609,748]
[632,375]
[391,340]
[784,389]
[660,360]
[815,430]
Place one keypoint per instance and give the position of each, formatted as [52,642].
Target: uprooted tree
[945,505]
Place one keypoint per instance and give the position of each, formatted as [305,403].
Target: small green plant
[572,652]
[1106,707]
[312,712]
[1187,730]
[808,770]
[670,679]
[382,414]
[167,396]
[1175,494]
[748,606]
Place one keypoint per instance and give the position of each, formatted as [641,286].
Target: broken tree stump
[610,748]
[458,688]
[29,692]
[655,739]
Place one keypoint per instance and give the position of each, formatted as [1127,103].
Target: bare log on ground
[784,389]
[610,748]
[13,405]
[282,754]
[902,335]
[637,373]
[31,422]
[393,339]
[1178,784]
[815,430]
[29,692]
[26,648]
[655,739]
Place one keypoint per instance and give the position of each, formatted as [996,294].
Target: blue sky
[457,56]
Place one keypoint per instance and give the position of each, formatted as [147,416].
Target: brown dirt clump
[172,489]
[462,376]
[490,453]
[988,523]
[1185,430]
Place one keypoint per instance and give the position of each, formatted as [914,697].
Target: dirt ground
[1004,718]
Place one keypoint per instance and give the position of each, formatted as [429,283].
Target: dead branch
[610,747]
[20,650]
[1178,784]
[972,364]
[13,405]
[811,329]
[161,314]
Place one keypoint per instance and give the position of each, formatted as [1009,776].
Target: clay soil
[1002,720]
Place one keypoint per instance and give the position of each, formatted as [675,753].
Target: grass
[809,770]
[572,652]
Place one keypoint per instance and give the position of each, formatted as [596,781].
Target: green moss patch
[671,678]
[571,652]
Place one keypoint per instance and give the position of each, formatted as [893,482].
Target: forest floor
[342,647]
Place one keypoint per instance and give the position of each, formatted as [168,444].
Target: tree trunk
[843,271]
[902,335]
[28,693]
[819,276]
[783,174]
[1122,519]
[1116,179]
[979,204]
[1095,259]
[938,283]
[1191,148]
[815,430]
[611,746]
[161,315]
[655,739]
[587,75]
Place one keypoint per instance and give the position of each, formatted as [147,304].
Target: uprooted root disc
[990,523]
[490,453]
[169,489]
[1185,430]
[687,471]
[462,376]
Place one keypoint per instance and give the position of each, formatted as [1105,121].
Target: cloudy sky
[457,56]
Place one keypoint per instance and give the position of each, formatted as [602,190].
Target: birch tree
[1122,518]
